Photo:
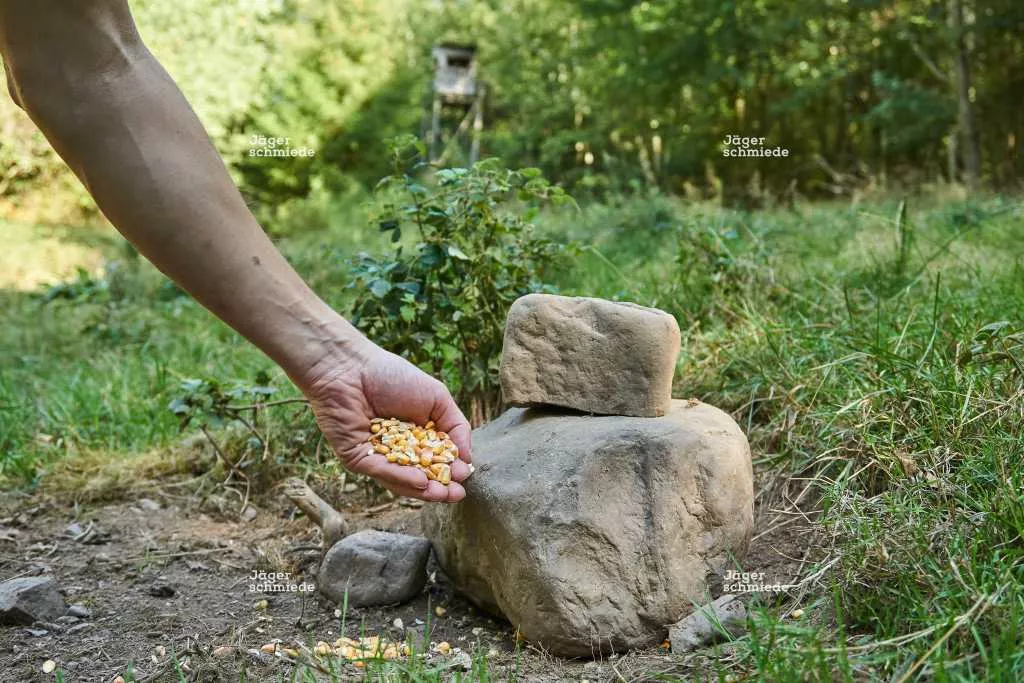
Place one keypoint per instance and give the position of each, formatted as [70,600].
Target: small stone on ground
[709,623]
[375,568]
[30,599]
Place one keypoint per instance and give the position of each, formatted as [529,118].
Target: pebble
[49,666]
[147,504]
[80,611]
[397,623]
[462,661]
[223,651]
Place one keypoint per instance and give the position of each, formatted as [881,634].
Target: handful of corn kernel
[405,443]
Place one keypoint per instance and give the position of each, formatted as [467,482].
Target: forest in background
[605,96]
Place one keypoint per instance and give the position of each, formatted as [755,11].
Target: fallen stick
[330,521]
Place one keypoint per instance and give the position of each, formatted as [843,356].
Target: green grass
[873,351]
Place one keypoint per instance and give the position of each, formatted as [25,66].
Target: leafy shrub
[441,303]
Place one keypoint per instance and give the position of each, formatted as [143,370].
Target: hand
[377,383]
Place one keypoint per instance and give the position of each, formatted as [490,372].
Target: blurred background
[607,97]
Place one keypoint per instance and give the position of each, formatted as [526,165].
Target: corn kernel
[408,444]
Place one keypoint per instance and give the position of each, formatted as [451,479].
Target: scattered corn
[405,443]
[371,647]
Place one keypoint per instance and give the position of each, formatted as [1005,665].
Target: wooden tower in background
[457,89]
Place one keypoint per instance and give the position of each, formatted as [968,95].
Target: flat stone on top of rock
[592,355]
[375,567]
[594,533]
[30,599]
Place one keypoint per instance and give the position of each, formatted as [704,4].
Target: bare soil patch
[170,585]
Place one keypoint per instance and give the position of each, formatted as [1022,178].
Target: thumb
[449,418]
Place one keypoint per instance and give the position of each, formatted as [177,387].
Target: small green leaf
[408,313]
[380,288]
[411,287]
[178,406]
[455,252]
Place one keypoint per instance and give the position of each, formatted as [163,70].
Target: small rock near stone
[79,610]
[375,568]
[29,599]
[461,661]
[717,620]
[147,504]
[591,355]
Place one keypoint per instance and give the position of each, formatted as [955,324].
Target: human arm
[110,110]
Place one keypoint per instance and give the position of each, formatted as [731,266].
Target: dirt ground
[167,580]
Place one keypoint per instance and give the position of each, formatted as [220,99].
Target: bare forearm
[122,125]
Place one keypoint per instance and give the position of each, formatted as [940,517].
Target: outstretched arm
[84,76]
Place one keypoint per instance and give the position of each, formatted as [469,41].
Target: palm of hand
[389,386]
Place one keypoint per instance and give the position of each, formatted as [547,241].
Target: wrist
[324,345]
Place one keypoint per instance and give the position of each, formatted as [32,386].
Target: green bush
[441,302]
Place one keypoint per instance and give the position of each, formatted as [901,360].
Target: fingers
[449,418]
[434,493]
[460,470]
[390,474]
[412,482]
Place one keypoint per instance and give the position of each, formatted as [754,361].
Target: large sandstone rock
[592,355]
[592,534]
[374,568]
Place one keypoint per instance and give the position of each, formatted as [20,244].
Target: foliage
[441,301]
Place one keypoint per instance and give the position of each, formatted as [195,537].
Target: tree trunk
[968,130]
